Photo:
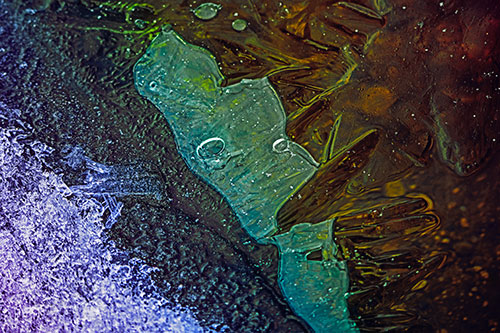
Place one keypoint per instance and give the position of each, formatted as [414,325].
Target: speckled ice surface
[58,272]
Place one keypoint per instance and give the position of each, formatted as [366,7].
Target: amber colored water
[414,87]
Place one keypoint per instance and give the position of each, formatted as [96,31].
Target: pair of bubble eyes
[214,147]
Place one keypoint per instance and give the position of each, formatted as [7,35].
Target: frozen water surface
[57,270]
[234,138]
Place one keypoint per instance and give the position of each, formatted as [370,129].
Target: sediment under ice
[234,138]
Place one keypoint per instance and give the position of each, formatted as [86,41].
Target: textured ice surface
[117,180]
[233,137]
[57,271]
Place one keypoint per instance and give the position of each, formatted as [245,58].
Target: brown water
[412,176]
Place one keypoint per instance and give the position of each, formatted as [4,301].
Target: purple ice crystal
[58,272]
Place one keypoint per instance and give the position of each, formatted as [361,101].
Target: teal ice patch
[315,289]
[234,139]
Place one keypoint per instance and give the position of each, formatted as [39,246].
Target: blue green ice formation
[234,139]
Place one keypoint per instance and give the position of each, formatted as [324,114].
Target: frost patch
[57,270]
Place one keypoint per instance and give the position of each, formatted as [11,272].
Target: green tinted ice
[234,139]
[315,289]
